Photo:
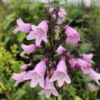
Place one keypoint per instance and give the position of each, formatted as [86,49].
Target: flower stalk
[49,39]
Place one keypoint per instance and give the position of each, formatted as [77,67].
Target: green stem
[51,45]
[50,38]
[60,97]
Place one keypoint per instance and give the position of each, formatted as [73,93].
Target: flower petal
[33,83]
[42,92]
[67,79]
[54,77]
[16,30]
[41,82]
[47,94]
[60,82]
[55,92]
[32,35]
[38,41]
[24,27]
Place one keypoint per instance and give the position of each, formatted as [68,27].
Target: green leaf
[21,36]
[85,48]
[38,57]
[18,95]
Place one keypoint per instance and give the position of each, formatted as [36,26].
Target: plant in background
[50,40]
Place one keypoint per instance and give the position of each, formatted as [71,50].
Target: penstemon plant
[50,39]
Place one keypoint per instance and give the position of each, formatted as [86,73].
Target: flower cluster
[52,35]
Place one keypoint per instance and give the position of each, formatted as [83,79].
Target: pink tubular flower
[83,64]
[39,33]
[73,36]
[68,55]
[92,75]
[48,89]
[73,63]
[22,27]
[61,16]
[19,77]
[37,75]
[51,9]
[61,73]
[87,57]
[60,49]
[62,13]
[25,66]
[27,49]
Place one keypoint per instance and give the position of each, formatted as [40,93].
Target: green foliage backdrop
[86,20]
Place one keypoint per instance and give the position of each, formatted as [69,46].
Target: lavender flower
[50,68]
[49,89]
[61,74]
[22,27]
[37,74]
[19,77]
[27,49]
[73,63]
[60,49]
[61,16]
[73,36]
[92,75]
[25,66]
[87,57]
[39,33]
[83,64]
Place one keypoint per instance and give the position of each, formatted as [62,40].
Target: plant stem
[50,36]
[51,45]
[56,98]
[59,97]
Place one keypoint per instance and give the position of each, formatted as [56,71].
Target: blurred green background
[87,22]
